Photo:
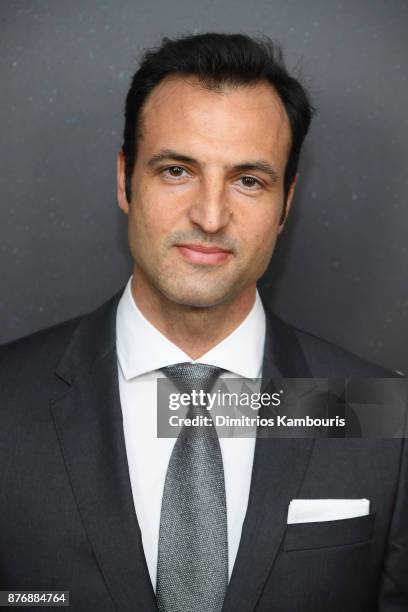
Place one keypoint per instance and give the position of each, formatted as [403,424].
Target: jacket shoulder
[36,355]
[36,358]
[336,361]
[324,359]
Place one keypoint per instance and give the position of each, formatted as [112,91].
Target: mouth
[202,254]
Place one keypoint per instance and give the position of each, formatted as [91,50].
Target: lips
[199,253]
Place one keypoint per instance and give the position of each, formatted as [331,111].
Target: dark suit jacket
[67,519]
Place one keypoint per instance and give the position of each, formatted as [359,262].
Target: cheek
[260,234]
[156,207]
[143,209]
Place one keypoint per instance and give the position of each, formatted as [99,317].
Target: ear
[121,191]
[288,203]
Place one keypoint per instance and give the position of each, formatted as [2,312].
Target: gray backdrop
[340,269]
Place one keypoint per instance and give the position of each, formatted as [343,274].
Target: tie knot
[193,376]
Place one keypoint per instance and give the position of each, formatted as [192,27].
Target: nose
[210,210]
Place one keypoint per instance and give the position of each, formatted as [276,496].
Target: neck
[194,330]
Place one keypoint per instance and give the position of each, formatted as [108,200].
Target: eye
[174,171]
[250,182]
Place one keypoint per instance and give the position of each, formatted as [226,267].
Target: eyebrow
[245,166]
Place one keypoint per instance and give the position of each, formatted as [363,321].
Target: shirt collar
[141,348]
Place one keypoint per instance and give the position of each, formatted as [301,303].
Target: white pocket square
[315,510]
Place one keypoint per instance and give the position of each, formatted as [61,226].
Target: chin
[198,299]
[196,291]
[199,302]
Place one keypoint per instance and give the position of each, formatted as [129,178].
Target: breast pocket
[324,534]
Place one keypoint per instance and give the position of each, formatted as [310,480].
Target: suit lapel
[88,422]
[278,471]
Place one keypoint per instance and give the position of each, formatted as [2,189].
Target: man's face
[207,190]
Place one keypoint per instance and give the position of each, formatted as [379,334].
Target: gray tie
[192,567]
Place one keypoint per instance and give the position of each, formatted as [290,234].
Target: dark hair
[217,60]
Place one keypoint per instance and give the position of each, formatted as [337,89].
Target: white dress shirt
[142,350]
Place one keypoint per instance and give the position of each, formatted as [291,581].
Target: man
[92,500]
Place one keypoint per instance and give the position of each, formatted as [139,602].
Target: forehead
[232,121]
